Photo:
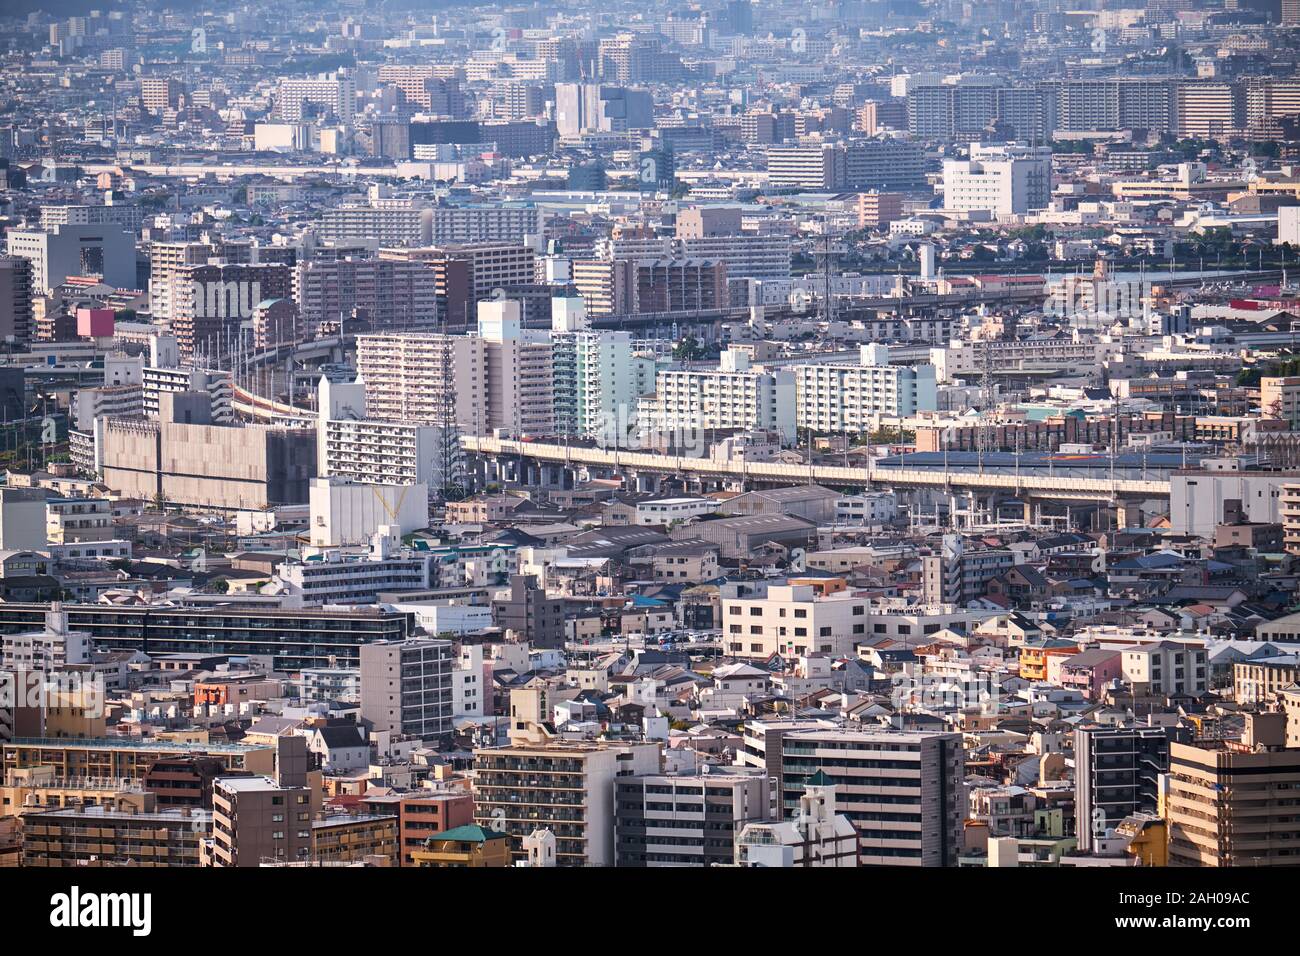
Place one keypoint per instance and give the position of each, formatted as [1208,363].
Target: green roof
[471,833]
[819,779]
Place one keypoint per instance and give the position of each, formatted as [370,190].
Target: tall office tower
[325,95]
[900,789]
[1232,803]
[15,301]
[406,688]
[519,367]
[1116,773]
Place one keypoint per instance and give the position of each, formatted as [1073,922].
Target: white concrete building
[335,94]
[519,371]
[733,396]
[594,377]
[346,512]
[106,250]
[1167,667]
[48,650]
[793,620]
[852,398]
[817,836]
[1004,180]
[666,511]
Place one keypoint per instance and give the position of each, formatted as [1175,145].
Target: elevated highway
[1039,487]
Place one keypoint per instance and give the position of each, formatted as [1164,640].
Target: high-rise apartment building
[382,293]
[406,687]
[565,786]
[1232,803]
[852,398]
[1116,773]
[733,396]
[298,98]
[685,820]
[15,300]
[902,790]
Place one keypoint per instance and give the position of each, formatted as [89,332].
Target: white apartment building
[392,222]
[49,649]
[1004,180]
[386,452]
[852,398]
[1167,667]
[425,378]
[818,168]
[485,223]
[732,397]
[338,577]
[106,401]
[817,836]
[215,382]
[468,690]
[520,379]
[793,619]
[336,94]
[595,374]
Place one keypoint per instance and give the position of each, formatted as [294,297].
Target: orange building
[1033,657]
